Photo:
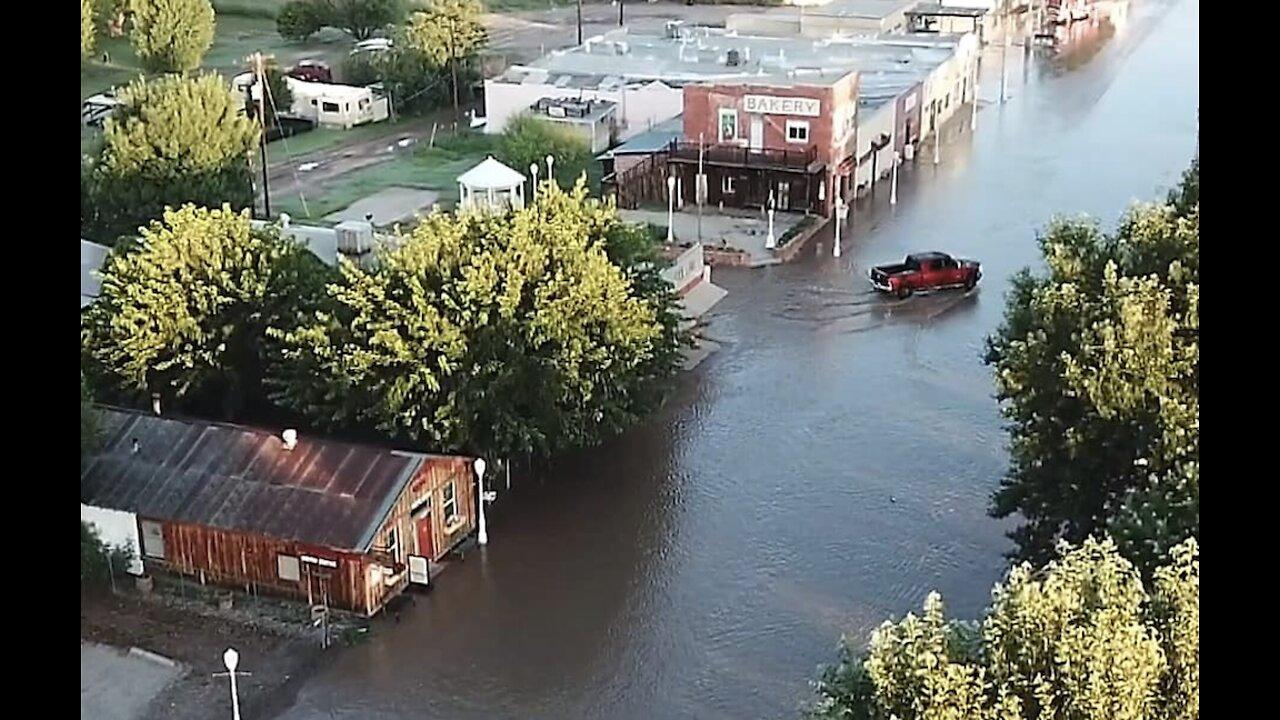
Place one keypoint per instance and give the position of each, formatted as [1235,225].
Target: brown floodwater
[824,471]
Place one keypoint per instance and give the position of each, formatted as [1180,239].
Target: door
[757,133]
[422,528]
[784,196]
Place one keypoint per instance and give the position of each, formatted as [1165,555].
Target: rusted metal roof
[322,492]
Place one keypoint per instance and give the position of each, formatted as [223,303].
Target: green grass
[520,5]
[436,168]
[249,8]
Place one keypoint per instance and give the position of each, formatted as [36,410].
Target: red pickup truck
[926,271]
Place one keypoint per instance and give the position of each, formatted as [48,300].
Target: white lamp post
[551,164]
[1004,50]
[483,536]
[671,207]
[842,208]
[937,136]
[533,169]
[769,241]
[973,118]
[893,184]
[231,659]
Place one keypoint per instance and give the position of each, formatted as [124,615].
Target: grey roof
[700,54]
[322,492]
[938,9]
[877,9]
[652,140]
[92,255]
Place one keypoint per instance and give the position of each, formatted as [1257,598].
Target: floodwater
[824,471]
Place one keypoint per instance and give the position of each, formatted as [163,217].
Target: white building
[490,187]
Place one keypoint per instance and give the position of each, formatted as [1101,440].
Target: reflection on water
[825,470]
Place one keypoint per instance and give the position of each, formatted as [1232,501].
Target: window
[329,107]
[448,501]
[152,539]
[728,124]
[364,103]
[726,185]
[313,102]
[798,131]
[287,568]
[393,543]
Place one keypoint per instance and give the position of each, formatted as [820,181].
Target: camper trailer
[343,106]
[95,109]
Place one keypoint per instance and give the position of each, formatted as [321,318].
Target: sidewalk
[745,230]
[118,685]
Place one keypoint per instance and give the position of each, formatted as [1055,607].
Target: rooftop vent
[290,438]
[733,58]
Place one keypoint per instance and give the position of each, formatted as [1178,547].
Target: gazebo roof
[491,175]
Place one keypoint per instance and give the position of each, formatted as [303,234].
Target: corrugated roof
[323,492]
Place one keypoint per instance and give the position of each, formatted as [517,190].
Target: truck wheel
[904,293]
[970,283]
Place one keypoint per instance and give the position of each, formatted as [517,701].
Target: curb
[148,655]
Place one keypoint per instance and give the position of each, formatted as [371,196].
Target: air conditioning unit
[733,58]
[355,237]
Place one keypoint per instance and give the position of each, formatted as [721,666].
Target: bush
[172,35]
[98,562]
[300,19]
[529,140]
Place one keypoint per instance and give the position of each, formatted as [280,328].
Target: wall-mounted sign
[322,562]
[771,105]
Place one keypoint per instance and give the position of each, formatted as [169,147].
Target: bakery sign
[771,105]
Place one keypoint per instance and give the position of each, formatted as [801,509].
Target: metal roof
[322,492]
[92,256]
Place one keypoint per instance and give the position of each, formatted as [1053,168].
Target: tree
[448,31]
[174,140]
[299,19]
[495,334]
[1079,640]
[88,28]
[185,313]
[1097,369]
[171,35]
[529,140]
[413,82]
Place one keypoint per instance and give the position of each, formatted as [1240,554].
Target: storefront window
[728,124]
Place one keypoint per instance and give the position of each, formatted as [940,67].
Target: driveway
[118,685]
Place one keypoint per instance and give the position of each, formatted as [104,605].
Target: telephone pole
[579,22]
[262,139]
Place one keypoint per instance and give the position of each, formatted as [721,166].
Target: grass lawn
[435,168]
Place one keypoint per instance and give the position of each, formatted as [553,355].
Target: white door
[757,133]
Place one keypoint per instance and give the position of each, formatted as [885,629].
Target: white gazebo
[490,186]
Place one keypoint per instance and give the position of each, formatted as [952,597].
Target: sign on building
[772,105]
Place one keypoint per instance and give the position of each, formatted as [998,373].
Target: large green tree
[1081,639]
[174,140]
[496,334]
[185,311]
[171,35]
[299,19]
[1097,369]
[449,32]
[528,139]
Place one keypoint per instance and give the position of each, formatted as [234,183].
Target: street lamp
[533,169]
[769,241]
[671,207]
[483,537]
[893,184]
[231,659]
[842,208]
[550,165]
[937,135]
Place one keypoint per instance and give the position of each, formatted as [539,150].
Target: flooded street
[824,471]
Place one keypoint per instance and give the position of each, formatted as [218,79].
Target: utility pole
[262,139]
[621,3]
[700,185]
[579,22]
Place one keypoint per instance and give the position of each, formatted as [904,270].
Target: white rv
[333,105]
[95,109]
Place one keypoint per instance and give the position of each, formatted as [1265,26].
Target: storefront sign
[770,105]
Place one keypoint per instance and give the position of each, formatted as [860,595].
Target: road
[824,471]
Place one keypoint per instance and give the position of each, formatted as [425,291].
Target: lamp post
[937,135]
[231,659]
[1004,76]
[841,209]
[893,183]
[973,117]
[671,207]
[483,536]
[550,168]
[769,241]
[533,170]
[700,187]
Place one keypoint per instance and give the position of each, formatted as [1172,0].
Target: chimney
[290,438]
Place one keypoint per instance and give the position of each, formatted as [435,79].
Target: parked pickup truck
[926,271]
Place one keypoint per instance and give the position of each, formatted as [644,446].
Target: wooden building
[318,520]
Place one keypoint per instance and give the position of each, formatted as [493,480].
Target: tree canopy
[185,311]
[88,28]
[1097,369]
[174,140]
[448,32]
[171,35]
[1081,639]
[299,19]
[496,334]
[529,140]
